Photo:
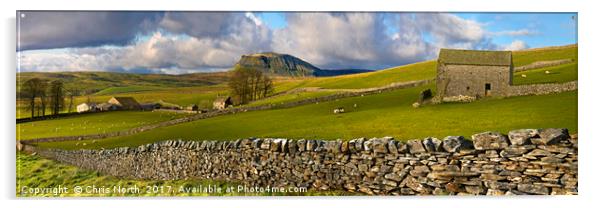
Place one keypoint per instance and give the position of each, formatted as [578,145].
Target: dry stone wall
[526,161]
[542,64]
[542,89]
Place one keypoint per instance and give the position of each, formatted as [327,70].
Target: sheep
[339,110]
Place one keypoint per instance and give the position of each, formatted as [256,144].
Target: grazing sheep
[339,110]
[547,72]
[523,75]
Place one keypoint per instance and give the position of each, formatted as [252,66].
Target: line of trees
[42,95]
[248,84]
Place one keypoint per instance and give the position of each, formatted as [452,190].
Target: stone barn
[125,103]
[222,103]
[473,73]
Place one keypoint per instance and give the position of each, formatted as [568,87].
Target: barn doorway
[487,89]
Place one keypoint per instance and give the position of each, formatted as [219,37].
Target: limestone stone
[311,145]
[534,189]
[552,136]
[522,136]
[301,144]
[393,176]
[489,141]
[415,146]
[379,145]
[455,143]
[432,144]
[476,190]
[392,146]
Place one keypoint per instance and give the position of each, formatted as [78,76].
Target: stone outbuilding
[86,107]
[473,73]
[125,103]
[150,106]
[107,107]
[222,103]
[192,107]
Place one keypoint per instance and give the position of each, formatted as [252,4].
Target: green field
[93,123]
[385,114]
[557,74]
[521,58]
[281,99]
[37,172]
[405,73]
[135,88]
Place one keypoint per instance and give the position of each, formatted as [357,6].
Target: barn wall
[470,80]
[527,161]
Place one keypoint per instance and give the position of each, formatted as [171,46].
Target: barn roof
[127,101]
[474,57]
[221,99]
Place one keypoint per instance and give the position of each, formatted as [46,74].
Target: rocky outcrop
[544,163]
[287,65]
[281,64]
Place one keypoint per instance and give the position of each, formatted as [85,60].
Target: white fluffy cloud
[185,42]
[516,45]
[521,32]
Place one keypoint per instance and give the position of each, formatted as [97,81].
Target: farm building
[170,106]
[125,103]
[222,103]
[107,107]
[150,106]
[473,73]
[192,107]
[87,107]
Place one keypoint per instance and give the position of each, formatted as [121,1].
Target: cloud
[521,32]
[184,42]
[60,29]
[516,45]
[347,40]
[451,31]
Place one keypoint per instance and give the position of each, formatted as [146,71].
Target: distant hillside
[93,82]
[287,65]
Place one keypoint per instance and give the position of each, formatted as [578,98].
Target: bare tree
[30,91]
[43,93]
[72,93]
[247,84]
[57,96]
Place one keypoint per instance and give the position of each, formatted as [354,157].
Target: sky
[189,42]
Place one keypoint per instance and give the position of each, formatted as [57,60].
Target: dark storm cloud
[200,24]
[61,29]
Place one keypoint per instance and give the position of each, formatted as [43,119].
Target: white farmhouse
[86,107]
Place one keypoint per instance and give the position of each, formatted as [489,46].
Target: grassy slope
[36,172]
[558,74]
[521,58]
[290,98]
[411,72]
[96,81]
[135,88]
[91,123]
[386,114]
[166,86]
